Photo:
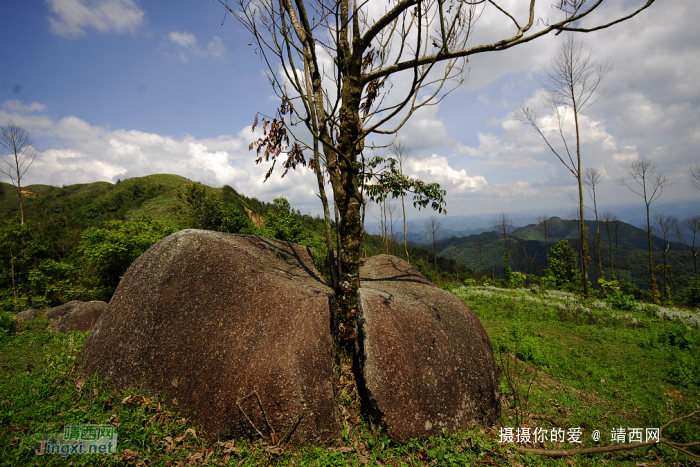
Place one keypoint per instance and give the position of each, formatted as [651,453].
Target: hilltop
[85,204]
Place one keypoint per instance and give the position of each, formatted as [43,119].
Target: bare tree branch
[18,154]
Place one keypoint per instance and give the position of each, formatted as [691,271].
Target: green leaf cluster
[391,182]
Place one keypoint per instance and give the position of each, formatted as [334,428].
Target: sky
[112,89]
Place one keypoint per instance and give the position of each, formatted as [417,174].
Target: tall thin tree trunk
[327,218]
[332,264]
[19,189]
[654,289]
[584,244]
[405,240]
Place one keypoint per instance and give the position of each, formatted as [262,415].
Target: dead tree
[433,225]
[17,146]
[503,225]
[692,224]
[593,177]
[649,183]
[608,220]
[544,224]
[694,172]
[572,83]
[666,224]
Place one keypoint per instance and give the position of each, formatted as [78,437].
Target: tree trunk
[653,288]
[597,225]
[584,244]
[405,240]
[327,218]
[344,169]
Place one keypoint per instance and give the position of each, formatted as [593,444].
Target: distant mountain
[527,252]
[462,226]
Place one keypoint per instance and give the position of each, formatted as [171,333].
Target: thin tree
[692,224]
[18,154]
[392,218]
[402,152]
[694,173]
[409,226]
[608,220]
[572,83]
[384,223]
[666,223]
[520,254]
[478,245]
[619,229]
[530,260]
[649,183]
[433,225]
[544,224]
[504,226]
[575,215]
[332,64]
[593,177]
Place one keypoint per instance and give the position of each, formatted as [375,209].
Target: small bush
[691,296]
[7,324]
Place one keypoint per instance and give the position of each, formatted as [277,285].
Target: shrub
[691,295]
[7,324]
[108,252]
[563,266]
[283,223]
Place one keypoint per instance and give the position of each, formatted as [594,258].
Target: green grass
[160,208]
[649,367]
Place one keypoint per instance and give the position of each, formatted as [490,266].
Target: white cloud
[183,39]
[88,153]
[74,16]
[18,106]
[187,46]
[216,48]
[436,169]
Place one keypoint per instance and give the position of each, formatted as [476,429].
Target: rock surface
[27,315]
[81,318]
[62,310]
[426,360]
[211,318]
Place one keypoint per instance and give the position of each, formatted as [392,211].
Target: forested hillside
[624,254]
[78,240]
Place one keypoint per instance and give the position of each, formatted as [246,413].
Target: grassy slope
[160,206]
[597,369]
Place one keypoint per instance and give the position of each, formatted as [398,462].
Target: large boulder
[81,318]
[217,320]
[426,362]
[62,310]
[23,317]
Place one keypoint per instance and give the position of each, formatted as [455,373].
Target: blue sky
[119,88]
